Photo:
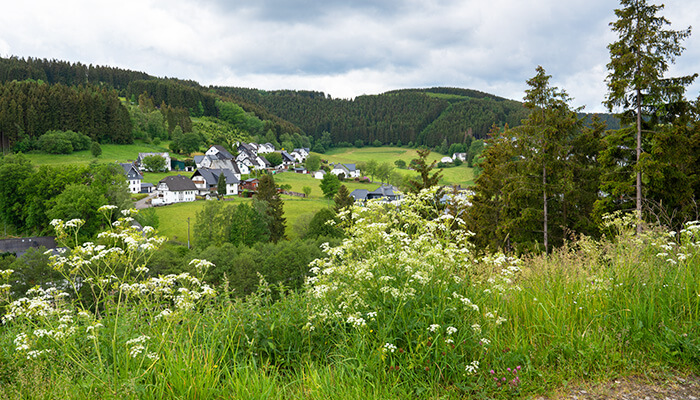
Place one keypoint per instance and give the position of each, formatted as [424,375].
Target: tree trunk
[544,197]
[639,155]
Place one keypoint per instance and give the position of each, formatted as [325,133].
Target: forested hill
[430,117]
[421,116]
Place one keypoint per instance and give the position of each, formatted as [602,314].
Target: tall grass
[403,308]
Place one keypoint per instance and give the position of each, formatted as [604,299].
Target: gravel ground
[635,388]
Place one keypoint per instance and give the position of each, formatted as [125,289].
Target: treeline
[387,118]
[555,177]
[175,94]
[66,73]
[29,109]
[471,118]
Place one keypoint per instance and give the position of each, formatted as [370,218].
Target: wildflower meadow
[404,307]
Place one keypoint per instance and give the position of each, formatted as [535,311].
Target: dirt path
[635,388]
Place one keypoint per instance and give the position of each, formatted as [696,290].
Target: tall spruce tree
[221,185]
[521,194]
[638,61]
[267,192]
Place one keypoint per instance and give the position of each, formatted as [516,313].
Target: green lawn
[298,181]
[173,218]
[110,153]
[462,175]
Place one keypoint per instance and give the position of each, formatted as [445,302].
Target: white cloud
[342,48]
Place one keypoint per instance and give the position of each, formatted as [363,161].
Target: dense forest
[85,99]
[29,109]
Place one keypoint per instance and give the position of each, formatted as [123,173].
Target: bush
[95,149]
[55,143]
[63,142]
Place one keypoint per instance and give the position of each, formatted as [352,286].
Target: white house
[133,177]
[265,148]
[217,157]
[461,156]
[174,189]
[349,170]
[319,174]
[300,154]
[166,156]
[207,180]
[446,160]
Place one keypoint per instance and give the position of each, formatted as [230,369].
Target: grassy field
[110,153]
[462,175]
[173,218]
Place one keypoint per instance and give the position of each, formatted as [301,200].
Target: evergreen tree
[421,165]
[638,61]
[343,199]
[267,192]
[221,186]
[95,149]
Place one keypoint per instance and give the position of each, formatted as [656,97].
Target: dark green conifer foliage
[636,82]
[267,192]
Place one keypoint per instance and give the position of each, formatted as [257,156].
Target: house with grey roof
[348,170]
[384,192]
[217,157]
[174,189]
[133,177]
[207,181]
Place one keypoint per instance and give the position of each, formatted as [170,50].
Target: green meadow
[110,153]
[462,175]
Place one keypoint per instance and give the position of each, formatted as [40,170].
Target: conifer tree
[221,185]
[267,192]
[638,61]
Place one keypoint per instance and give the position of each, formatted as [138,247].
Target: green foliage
[95,149]
[312,162]
[636,82]
[62,142]
[424,169]
[330,184]
[154,163]
[400,163]
[30,109]
[539,181]
[78,201]
[189,142]
[274,158]
[267,193]
[306,190]
[218,223]
[221,186]
[148,217]
[324,224]
[27,194]
[342,199]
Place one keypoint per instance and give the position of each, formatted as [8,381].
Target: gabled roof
[266,163]
[222,153]
[178,183]
[359,194]
[385,191]
[131,171]
[346,167]
[211,175]
[286,157]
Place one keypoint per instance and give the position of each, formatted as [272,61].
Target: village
[239,175]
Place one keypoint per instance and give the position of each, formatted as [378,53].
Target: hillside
[419,117]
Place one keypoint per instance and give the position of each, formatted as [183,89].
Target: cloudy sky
[344,48]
